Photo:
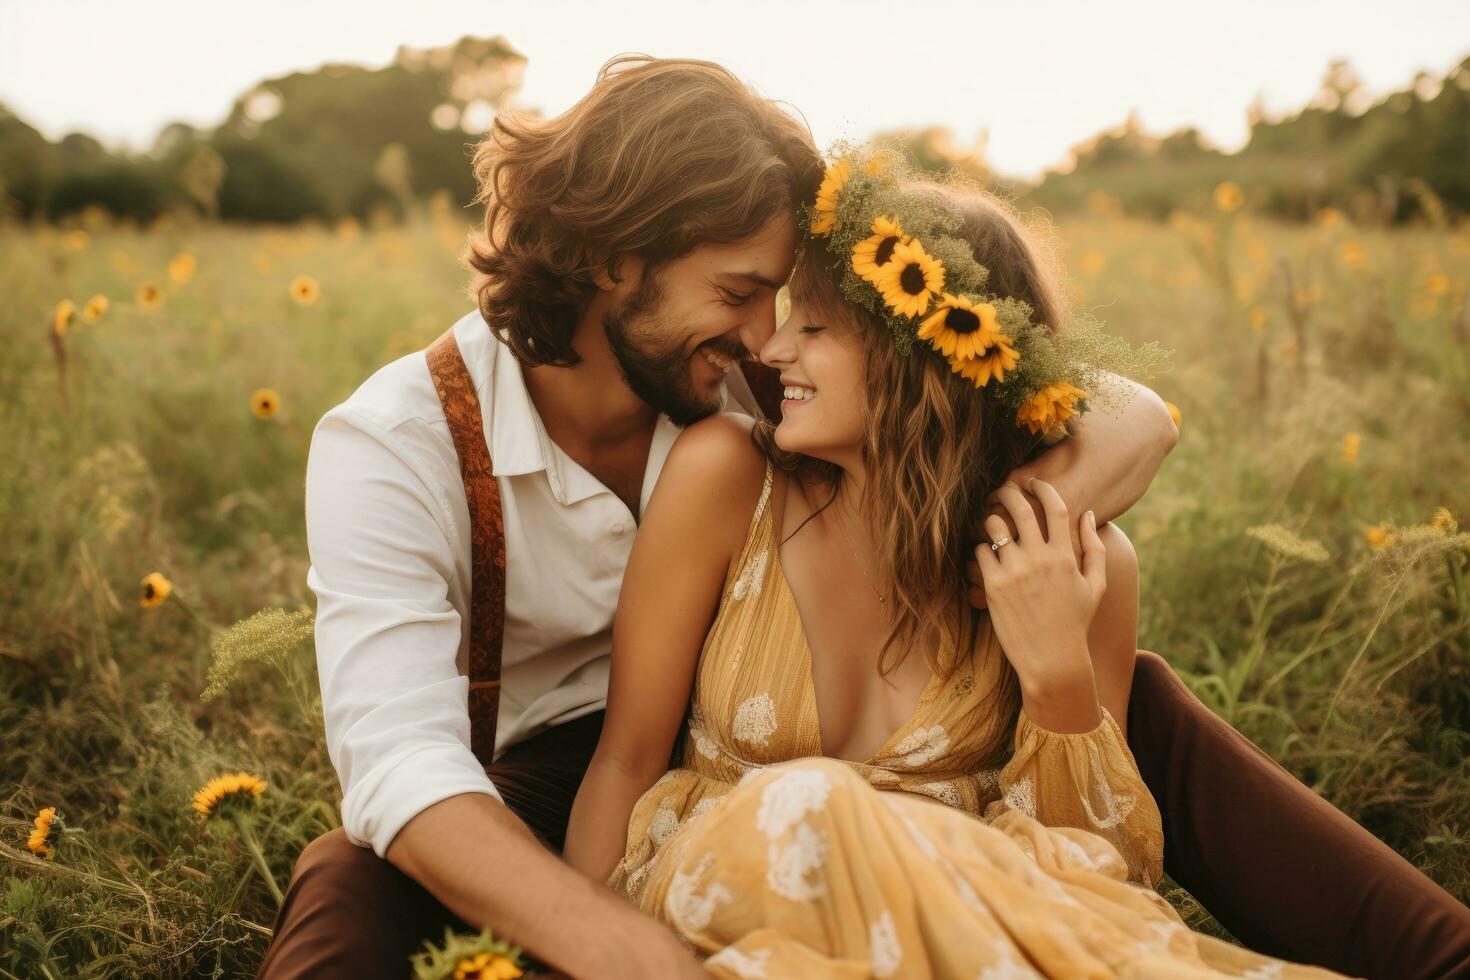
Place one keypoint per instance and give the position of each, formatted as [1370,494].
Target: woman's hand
[1041,605]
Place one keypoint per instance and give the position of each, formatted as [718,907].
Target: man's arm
[397,720]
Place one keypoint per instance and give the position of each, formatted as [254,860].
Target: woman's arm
[694,525]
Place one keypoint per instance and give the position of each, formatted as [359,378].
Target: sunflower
[40,842]
[264,402]
[1350,444]
[871,254]
[1229,196]
[1378,536]
[95,308]
[999,358]
[910,279]
[960,327]
[1048,408]
[305,290]
[181,267]
[63,317]
[149,296]
[1174,413]
[486,966]
[232,787]
[156,589]
[825,218]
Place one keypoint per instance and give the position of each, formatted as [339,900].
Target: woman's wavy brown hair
[935,448]
[660,156]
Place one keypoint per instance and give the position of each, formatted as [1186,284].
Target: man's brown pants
[1277,865]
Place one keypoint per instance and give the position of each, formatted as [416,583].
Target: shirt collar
[518,440]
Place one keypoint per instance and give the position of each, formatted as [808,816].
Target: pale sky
[1040,75]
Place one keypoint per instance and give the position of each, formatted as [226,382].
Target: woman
[877,780]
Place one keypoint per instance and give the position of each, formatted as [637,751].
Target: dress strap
[456,391]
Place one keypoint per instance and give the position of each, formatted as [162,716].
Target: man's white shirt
[389,535]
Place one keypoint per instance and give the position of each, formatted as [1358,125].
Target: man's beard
[647,348]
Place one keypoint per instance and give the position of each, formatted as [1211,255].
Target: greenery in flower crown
[899,253]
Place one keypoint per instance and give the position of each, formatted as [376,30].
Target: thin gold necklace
[842,526]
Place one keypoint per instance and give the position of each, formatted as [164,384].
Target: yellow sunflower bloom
[959,327]
[227,788]
[63,317]
[95,308]
[999,358]
[264,402]
[181,267]
[1229,196]
[486,966]
[1350,444]
[1378,536]
[1174,414]
[40,841]
[149,296]
[305,290]
[1048,408]
[910,279]
[156,589]
[825,218]
[870,255]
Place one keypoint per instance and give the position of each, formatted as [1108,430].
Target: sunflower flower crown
[899,253]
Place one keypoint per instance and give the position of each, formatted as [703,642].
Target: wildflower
[870,255]
[1092,262]
[1047,409]
[1444,521]
[486,966]
[1350,444]
[1257,319]
[77,240]
[825,217]
[264,402]
[1174,413]
[149,296]
[1329,218]
[348,229]
[1378,537]
[305,290]
[959,327]
[1437,284]
[156,589]
[181,267]
[40,842]
[910,279]
[1288,544]
[228,788]
[1353,255]
[1229,196]
[63,317]
[95,308]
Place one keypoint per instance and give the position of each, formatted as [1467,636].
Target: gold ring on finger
[1002,542]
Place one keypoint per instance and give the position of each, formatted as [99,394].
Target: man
[470,510]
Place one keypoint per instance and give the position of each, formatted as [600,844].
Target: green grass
[142,455]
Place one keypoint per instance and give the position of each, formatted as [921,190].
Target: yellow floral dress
[773,861]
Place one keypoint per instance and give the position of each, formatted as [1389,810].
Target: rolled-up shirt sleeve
[387,634]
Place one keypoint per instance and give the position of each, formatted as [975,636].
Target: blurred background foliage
[346,140]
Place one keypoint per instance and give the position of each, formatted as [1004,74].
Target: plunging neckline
[925,696]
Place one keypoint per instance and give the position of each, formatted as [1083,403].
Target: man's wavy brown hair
[935,447]
[660,156]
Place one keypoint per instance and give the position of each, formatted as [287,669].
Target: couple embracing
[862,694]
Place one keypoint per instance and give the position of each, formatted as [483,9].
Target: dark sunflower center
[148,591]
[961,321]
[912,279]
[885,250]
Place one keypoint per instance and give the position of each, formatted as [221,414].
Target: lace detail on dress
[755,720]
[887,951]
[747,966]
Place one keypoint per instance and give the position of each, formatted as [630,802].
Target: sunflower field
[1304,566]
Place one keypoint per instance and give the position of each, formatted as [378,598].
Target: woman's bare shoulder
[712,478]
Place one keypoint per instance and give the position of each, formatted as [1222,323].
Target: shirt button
[619,529]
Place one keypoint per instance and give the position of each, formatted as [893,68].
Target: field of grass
[1302,562]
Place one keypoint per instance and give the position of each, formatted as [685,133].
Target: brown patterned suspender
[487,539]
